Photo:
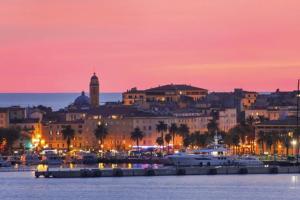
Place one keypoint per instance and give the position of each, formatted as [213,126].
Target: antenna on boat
[297,128]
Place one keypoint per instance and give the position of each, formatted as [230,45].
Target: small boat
[86,158]
[14,160]
[30,159]
[4,163]
[51,159]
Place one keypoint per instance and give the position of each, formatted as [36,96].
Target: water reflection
[42,168]
[99,166]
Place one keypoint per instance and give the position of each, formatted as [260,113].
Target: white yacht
[4,163]
[215,155]
[30,159]
[250,161]
[51,159]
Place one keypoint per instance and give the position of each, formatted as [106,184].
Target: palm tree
[162,127]
[68,134]
[272,140]
[101,133]
[187,141]
[235,138]
[173,129]
[168,138]
[286,141]
[160,141]
[137,135]
[183,130]
[199,139]
[212,127]
[276,139]
[262,137]
[250,131]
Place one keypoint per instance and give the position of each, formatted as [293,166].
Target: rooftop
[174,87]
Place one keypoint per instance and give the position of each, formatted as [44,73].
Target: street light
[294,143]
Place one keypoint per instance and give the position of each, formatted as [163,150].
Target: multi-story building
[286,126]
[227,119]
[133,96]
[165,93]
[4,118]
[31,133]
[16,113]
[84,139]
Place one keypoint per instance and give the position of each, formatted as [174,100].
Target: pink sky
[55,45]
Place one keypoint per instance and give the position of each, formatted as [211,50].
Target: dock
[172,171]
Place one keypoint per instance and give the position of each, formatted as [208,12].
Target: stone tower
[94,91]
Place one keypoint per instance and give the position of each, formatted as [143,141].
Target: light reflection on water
[100,166]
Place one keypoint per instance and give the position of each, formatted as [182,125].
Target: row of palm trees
[238,138]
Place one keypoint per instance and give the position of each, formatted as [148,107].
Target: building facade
[167,93]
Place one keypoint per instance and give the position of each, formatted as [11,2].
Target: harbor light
[294,142]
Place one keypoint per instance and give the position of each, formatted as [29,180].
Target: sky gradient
[55,45]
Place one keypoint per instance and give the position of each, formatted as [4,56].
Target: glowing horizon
[56,45]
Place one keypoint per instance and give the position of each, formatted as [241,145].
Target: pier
[172,171]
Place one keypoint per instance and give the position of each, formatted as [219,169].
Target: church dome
[82,101]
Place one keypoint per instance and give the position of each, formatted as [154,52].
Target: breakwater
[172,171]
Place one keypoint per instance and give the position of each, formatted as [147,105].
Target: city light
[294,142]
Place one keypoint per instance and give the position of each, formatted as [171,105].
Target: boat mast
[297,128]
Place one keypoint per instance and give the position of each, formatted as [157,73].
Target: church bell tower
[94,91]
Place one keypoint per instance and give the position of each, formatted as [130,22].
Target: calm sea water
[54,100]
[23,186]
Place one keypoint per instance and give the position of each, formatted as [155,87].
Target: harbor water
[23,186]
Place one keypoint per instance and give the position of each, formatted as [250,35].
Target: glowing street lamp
[294,143]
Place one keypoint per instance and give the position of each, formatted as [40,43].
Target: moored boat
[85,158]
[4,163]
[51,159]
[214,155]
[250,161]
[30,159]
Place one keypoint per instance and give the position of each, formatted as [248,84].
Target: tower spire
[94,91]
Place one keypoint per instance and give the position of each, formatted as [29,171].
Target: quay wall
[171,171]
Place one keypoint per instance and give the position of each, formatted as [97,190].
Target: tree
[183,130]
[187,141]
[286,140]
[137,135]
[235,138]
[68,134]
[101,133]
[160,141]
[212,127]
[262,137]
[168,138]
[249,128]
[162,127]
[276,138]
[199,139]
[9,136]
[173,129]
[272,140]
